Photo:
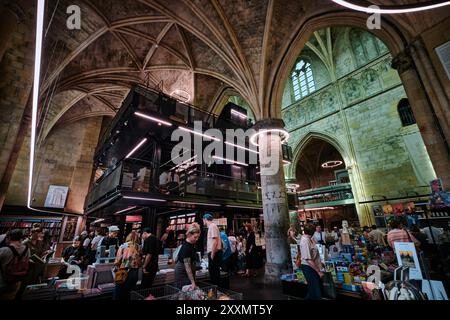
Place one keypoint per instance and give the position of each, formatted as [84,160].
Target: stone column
[24,128]
[275,205]
[426,118]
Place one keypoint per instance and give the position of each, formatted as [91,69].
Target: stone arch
[222,96]
[298,149]
[391,34]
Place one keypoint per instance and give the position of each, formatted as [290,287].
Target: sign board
[407,256]
[131,219]
[56,197]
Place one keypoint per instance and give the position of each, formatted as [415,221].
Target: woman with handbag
[310,263]
[127,264]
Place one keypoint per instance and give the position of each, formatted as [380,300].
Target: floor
[255,288]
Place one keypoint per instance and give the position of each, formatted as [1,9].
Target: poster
[56,197]
[439,198]
[70,228]
[407,256]
[302,216]
[387,209]
[377,210]
[409,207]
[397,209]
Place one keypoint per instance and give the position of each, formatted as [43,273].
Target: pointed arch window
[405,113]
[302,80]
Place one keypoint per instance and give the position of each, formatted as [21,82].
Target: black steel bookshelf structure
[134,161]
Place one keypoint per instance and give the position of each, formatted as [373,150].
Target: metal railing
[144,177]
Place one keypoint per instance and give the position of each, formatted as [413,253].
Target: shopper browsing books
[376,236]
[240,248]
[319,236]
[186,259]
[433,234]
[111,239]
[213,248]
[292,235]
[100,233]
[234,254]
[250,252]
[128,262]
[74,254]
[14,265]
[150,252]
[310,263]
[398,234]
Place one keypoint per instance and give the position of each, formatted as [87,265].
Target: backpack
[3,240]
[17,268]
[226,248]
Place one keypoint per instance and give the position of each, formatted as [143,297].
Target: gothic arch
[392,36]
[222,96]
[298,149]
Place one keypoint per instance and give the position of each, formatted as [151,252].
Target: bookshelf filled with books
[53,225]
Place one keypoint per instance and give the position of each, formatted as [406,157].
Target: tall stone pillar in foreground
[275,205]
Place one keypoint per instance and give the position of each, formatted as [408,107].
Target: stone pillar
[24,128]
[426,118]
[81,174]
[10,15]
[275,205]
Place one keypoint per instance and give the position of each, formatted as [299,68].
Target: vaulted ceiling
[193,49]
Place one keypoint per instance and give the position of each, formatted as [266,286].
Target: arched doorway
[323,185]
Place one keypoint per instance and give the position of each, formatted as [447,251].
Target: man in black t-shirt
[111,239]
[150,251]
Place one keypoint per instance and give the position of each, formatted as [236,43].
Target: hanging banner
[407,256]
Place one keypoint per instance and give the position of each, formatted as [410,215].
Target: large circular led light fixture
[181,95]
[284,135]
[331,164]
[408,8]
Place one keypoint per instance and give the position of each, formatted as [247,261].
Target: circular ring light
[422,6]
[181,95]
[331,164]
[283,133]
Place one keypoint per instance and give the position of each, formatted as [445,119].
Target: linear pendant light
[137,147]
[229,160]
[199,133]
[37,72]
[139,114]
[241,147]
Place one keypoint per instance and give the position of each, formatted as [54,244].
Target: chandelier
[407,8]
[331,164]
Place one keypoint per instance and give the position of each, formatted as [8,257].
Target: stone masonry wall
[64,159]
[358,113]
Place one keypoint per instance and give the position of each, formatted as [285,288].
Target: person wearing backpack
[226,248]
[3,240]
[14,265]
